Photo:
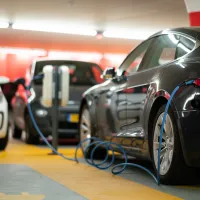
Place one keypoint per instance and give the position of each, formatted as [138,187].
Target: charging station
[55,94]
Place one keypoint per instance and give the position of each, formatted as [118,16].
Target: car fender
[153,98]
[89,101]
[165,95]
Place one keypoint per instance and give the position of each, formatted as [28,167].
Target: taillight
[197,82]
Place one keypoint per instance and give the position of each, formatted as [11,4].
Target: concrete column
[193,9]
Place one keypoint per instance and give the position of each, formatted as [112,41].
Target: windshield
[81,73]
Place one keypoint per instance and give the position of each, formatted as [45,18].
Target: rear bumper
[189,128]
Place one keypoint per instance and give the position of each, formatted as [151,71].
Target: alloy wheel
[167,145]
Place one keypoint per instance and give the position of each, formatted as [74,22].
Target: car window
[162,51]
[184,46]
[81,73]
[132,62]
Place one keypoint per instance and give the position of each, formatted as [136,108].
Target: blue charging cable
[190,82]
[97,143]
[35,124]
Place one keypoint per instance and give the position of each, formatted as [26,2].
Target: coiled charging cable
[97,143]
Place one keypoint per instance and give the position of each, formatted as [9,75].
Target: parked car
[128,107]
[4,122]
[82,76]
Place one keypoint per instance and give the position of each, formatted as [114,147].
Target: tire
[86,130]
[31,137]
[177,172]
[4,141]
[17,133]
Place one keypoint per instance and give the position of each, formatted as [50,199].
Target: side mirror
[4,80]
[108,73]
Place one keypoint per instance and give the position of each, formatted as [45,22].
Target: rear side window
[184,46]
[162,51]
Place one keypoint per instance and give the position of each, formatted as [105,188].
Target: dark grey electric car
[128,107]
[83,75]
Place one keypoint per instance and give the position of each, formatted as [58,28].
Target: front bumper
[189,128]
[67,122]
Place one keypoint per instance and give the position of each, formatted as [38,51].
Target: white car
[4,122]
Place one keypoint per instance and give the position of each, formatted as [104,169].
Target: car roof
[62,59]
[190,31]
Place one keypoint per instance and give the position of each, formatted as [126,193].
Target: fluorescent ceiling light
[4,24]
[23,51]
[173,39]
[132,35]
[111,56]
[54,28]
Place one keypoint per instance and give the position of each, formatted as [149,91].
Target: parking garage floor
[28,172]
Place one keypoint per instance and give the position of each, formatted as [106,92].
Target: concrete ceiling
[151,15]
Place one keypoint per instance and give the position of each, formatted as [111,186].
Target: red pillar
[193,9]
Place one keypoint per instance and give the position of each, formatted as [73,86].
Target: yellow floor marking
[88,181]
[23,196]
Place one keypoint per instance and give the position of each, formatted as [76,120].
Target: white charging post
[55,93]
[64,85]
[47,86]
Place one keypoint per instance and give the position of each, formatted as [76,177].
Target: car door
[141,83]
[111,101]
[131,63]
[109,98]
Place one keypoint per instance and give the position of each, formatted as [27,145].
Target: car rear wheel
[17,133]
[86,131]
[173,169]
[4,141]
[31,137]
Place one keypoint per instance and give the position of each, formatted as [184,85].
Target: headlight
[41,113]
